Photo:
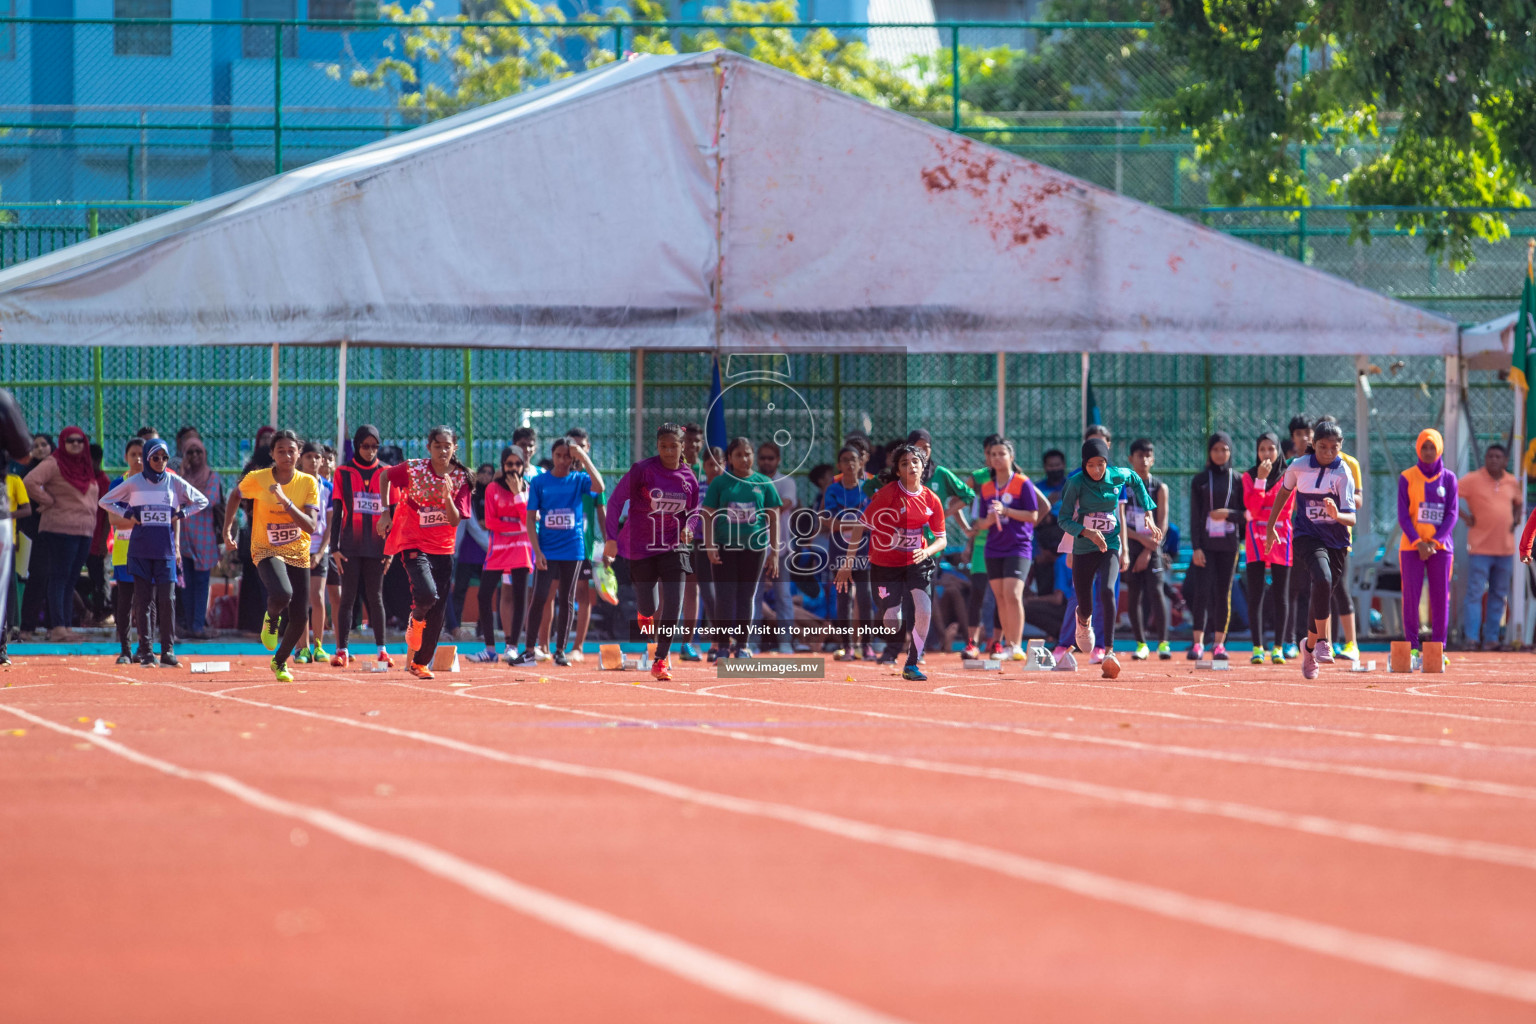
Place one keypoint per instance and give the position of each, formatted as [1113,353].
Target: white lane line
[24,686]
[1188,691]
[1319,730]
[1406,958]
[1500,789]
[1418,691]
[703,967]
[1310,824]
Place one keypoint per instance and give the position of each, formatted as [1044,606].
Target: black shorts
[318,567]
[1014,567]
[584,573]
[666,567]
[907,577]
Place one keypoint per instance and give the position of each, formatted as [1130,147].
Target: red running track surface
[574,845]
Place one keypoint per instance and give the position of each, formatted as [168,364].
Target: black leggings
[1214,612]
[1139,585]
[736,593]
[514,596]
[1103,567]
[704,580]
[1325,567]
[563,572]
[1279,602]
[369,573]
[161,593]
[122,612]
[287,602]
[486,601]
[666,572]
[431,579]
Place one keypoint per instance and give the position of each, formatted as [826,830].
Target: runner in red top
[430,496]
[900,554]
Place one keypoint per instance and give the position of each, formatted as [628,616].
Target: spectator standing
[32,597]
[200,535]
[65,488]
[1490,502]
[778,590]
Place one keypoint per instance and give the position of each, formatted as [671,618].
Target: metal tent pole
[1002,392]
[272,390]
[341,397]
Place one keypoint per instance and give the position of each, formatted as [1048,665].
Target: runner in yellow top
[285,507]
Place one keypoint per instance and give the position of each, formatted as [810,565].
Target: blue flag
[714,425]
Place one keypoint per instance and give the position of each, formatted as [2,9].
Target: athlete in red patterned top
[429,497]
[901,554]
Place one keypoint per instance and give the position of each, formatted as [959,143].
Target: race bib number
[1104,522]
[1315,511]
[282,534]
[368,504]
[1217,527]
[1431,515]
[432,516]
[154,515]
[740,512]
[560,519]
[909,540]
[1136,519]
[668,502]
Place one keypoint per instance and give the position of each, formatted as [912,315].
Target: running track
[570,845]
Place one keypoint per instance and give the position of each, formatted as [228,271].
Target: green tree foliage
[1398,102]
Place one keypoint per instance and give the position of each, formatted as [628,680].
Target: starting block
[1038,657]
[378,666]
[987,665]
[1363,666]
[201,667]
[1214,666]
[610,657]
[1433,661]
[445,659]
[1401,658]
[1068,663]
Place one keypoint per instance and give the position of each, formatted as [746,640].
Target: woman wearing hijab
[65,488]
[356,504]
[1426,513]
[1216,522]
[1261,484]
[200,533]
[156,500]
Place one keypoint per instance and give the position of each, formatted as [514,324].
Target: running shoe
[484,657]
[413,636]
[1142,652]
[269,632]
[995,648]
[1195,652]
[125,658]
[1164,651]
[1277,656]
[1349,652]
[715,654]
[867,652]
[887,657]
[145,658]
[1110,666]
[1097,656]
[1257,658]
[922,658]
[661,670]
[341,659]
[913,674]
[524,660]
[302,656]
[318,653]
[5,659]
[281,673]
[1323,652]
[540,654]
[971,652]
[1219,652]
[564,662]
[1308,664]
[841,654]
[384,659]
[1292,652]
[1416,662]
[1084,635]
[420,671]
[576,655]
[170,660]
[1016,653]
[689,653]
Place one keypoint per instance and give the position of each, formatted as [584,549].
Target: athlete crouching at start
[1090,506]
[902,564]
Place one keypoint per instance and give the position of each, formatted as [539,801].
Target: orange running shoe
[420,671]
[413,635]
[341,659]
[661,670]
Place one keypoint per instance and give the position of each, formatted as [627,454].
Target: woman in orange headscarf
[1426,513]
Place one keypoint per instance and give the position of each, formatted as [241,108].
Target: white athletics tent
[693,202]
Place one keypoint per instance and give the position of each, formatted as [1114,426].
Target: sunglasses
[511,465]
[75,440]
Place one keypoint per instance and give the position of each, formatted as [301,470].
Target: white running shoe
[1110,666]
[1016,653]
[540,654]
[1085,635]
[576,655]
[1323,653]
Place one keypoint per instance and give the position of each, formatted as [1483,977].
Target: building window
[343,10]
[260,40]
[141,40]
